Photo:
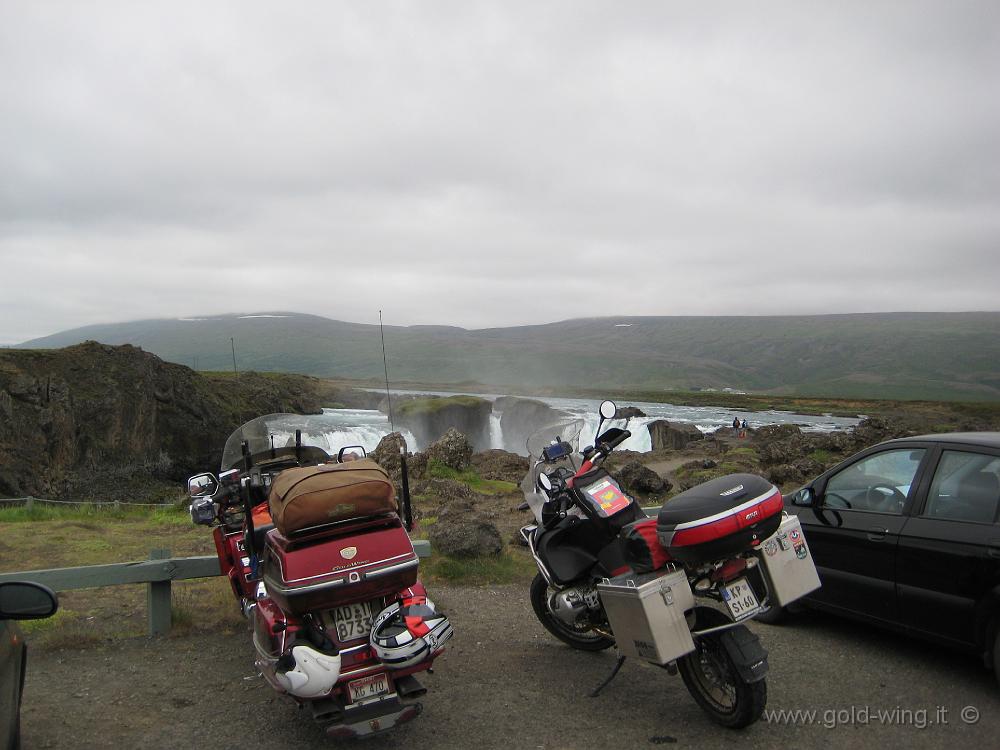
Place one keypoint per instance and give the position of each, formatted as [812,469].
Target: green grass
[511,566]
[822,456]
[425,406]
[469,477]
[170,515]
[58,536]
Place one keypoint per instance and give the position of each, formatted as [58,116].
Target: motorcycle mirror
[608,409]
[202,485]
[351,453]
[544,482]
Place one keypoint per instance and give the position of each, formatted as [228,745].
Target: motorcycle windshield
[273,436]
[567,430]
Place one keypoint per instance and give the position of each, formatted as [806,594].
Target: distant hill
[938,356]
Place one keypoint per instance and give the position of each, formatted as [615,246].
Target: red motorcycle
[317,553]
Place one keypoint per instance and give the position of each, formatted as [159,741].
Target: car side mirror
[203,485]
[25,600]
[804,498]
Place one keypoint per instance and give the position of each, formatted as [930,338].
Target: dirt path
[504,683]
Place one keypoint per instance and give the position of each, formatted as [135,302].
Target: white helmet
[409,631]
[308,673]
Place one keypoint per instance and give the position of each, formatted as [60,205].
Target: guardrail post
[158,599]
[29,502]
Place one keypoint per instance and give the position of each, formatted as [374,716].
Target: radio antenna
[385,364]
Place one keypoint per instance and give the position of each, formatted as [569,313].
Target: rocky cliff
[93,421]
[520,417]
[430,418]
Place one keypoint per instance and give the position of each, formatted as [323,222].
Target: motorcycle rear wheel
[585,640]
[714,682]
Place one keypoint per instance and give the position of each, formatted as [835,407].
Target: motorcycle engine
[574,605]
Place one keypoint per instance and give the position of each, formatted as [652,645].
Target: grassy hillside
[891,355]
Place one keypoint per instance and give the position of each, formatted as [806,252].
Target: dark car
[905,534]
[18,601]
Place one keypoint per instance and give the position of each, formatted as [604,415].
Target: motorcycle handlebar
[599,452]
[607,446]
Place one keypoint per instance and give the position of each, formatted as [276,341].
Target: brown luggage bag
[315,495]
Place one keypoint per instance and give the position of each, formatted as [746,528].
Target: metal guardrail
[157,573]
[29,503]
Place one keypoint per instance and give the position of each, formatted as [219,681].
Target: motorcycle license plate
[369,687]
[353,620]
[740,599]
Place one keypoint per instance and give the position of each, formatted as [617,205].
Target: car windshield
[272,436]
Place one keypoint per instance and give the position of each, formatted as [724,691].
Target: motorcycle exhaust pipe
[409,687]
[326,711]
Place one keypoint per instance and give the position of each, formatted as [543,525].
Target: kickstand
[599,688]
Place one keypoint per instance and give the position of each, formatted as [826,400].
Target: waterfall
[496,432]
[364,427]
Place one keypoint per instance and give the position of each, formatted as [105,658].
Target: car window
[879,483]
[966,487]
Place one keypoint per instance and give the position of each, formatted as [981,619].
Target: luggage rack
[361,522]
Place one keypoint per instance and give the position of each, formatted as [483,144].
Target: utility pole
[235,371]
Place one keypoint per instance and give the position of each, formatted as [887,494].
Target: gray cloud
[484,164]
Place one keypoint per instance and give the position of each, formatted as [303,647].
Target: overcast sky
[484,164]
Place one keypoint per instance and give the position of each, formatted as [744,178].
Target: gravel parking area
[504,682]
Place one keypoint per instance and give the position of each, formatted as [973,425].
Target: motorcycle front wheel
[715,683]
[583,639]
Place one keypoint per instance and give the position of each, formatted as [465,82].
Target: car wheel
[773,615]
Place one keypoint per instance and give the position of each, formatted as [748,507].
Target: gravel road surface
[505,683]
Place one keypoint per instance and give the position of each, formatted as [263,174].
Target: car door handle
[877,534]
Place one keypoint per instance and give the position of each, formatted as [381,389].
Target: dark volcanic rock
[77,420]
[773,432]
[520,417]
[465,537]
[663,435]
[452,450]
[876,429]
[629,412]
[447,494]
[388,455]
[500,465]
[464,525]
[430,418]
[781,444]
[784,474]
[835,442]
[637,479]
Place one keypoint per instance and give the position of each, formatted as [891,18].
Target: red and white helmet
[409,631]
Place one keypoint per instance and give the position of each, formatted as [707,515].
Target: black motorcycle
[672,590]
